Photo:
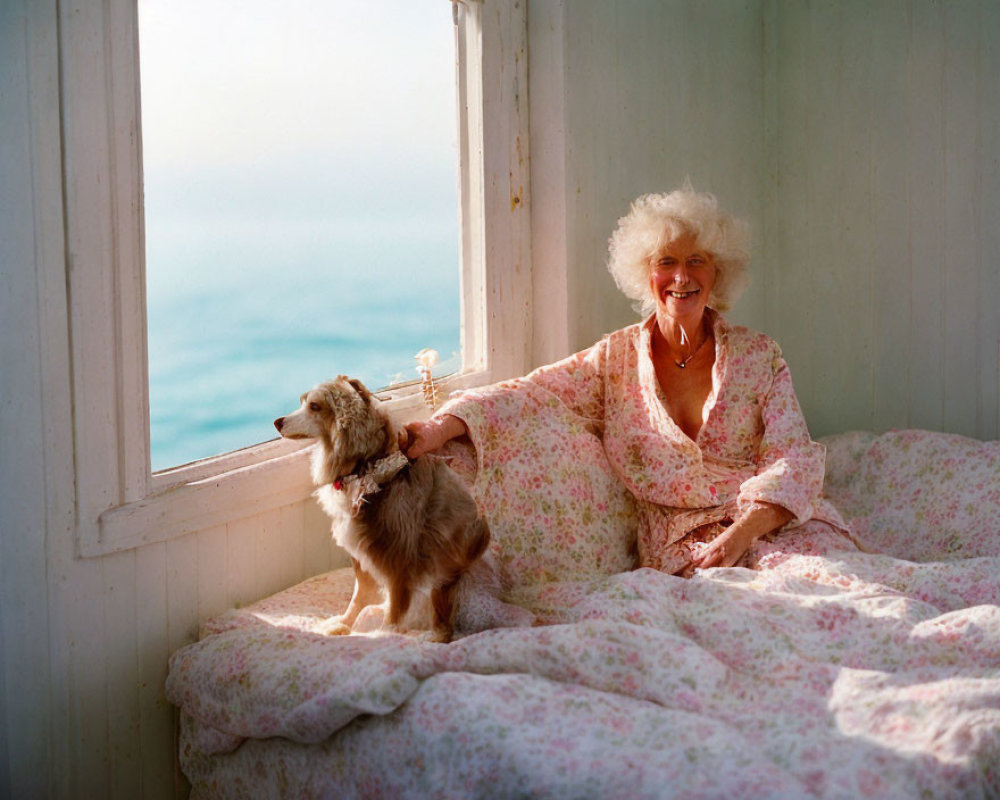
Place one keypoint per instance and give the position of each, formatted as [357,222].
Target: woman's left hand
[726,549]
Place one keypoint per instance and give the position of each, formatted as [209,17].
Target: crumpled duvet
[822,673]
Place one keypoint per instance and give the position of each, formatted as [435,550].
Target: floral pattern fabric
[753,446]
[826,671]
[555,506]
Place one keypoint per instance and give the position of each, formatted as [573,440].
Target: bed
[820,673]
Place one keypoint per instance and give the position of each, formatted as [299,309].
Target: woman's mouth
[683,295]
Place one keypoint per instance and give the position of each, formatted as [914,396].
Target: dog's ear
[361,389]
[358,426]
[348,411]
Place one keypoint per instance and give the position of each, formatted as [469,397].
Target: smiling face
[681,278]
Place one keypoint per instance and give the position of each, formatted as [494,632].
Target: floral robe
[753,446]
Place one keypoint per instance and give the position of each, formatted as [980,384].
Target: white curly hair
[656,220]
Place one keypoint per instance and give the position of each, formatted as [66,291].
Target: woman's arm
[790,465]
[729,547]
[575,382]
[788,480]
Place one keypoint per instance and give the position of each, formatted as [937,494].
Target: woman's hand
[726,549]
[426,437]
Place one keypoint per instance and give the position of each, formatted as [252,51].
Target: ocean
[238,328]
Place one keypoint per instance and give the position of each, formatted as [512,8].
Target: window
[301,207]
[120,503]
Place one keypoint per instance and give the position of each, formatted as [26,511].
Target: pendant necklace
[684,361]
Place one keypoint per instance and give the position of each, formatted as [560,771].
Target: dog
[411,527]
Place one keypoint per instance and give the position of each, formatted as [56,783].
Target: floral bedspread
[824,672]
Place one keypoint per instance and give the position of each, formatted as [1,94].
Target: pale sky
[263,117]
[227,81]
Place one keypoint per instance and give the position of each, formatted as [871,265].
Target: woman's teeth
[683,295]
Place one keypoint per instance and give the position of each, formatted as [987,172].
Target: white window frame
[120,504]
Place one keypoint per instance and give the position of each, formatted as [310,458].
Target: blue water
[240,327]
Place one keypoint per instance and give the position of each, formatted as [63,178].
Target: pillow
[917,495]
[556,509]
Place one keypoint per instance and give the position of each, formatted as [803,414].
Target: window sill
[203,503]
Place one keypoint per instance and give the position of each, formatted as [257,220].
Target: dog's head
[344,417]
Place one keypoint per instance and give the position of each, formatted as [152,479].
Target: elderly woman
[698,417]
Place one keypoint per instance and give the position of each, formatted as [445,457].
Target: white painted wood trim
[468,71]
[491,46]
[202,504]
[506,187]
[100,113]
[119,503]
[550,223]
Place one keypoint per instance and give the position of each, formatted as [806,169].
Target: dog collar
[374,476]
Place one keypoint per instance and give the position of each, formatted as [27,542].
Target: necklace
[684,361]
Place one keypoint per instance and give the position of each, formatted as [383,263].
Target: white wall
[884,251]
[25,669]
[860,138]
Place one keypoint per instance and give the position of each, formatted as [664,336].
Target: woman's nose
[680,275]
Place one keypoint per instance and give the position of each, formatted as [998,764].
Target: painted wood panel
[987,214]
[124,614]
[156,718]
[887,231]
[884,187]
[30,198]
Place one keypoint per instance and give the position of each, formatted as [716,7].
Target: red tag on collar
[338,484]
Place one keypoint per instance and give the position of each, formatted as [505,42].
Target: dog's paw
[332,627]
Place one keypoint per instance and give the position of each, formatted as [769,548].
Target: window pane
[300,162]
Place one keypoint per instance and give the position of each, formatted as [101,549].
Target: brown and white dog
[410,527]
